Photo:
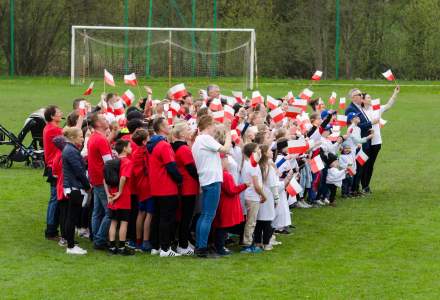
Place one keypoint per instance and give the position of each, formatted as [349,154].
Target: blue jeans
[51,215]
[210,200]
[100,216]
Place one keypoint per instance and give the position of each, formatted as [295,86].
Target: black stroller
[33,155]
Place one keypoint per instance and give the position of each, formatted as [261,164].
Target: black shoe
[113,250]
[292,226]
[100,247]
[223,252]
[367,190]
[126,251]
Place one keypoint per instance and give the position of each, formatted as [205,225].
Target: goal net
[167,53]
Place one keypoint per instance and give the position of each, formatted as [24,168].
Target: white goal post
[192,52]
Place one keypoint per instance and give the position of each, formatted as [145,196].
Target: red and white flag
[89,89]
[255,158]
[204,95]
[82,108]
[382,122]
[215,105]
[238,96]
[342,103]
[174,107]
[351,171]
[306,94]
[317,76]
[299,146]
[240,127]
[341,120]
[118,108]
[108,78]
[333,137]
[290,97]
[320,106]
[235,136]
[272,103]
[218,116]
[130,79]
[301,103]
[389,75]
[316,164]
[122,121]
[229,112]
[178,91]
[256,98]
[170,117]
[361,157]
[332,98]
[375,104]
[128,97]
[277,115]
[294,188]
[293,111]
[230,100]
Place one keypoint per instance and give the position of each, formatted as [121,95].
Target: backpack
[111,172]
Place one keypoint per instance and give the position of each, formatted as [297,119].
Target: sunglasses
[357,95]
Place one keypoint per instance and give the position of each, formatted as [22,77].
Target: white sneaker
[155,252]
[320,202]
[169,253]
[188,251]
[84,233]
[62,242]
[274,242]
[191,246]
[300,204]
[268,247]
[305,205]
[326,201]
[76,250]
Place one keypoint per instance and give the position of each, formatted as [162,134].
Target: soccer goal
[168,53]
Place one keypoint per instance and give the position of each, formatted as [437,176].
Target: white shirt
[335,176]
[266,211]
[207,159]
[329,147]
[247,172]
[347,159]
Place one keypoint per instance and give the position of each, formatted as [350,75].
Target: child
[119,200]
[229,212]
[347,161]
[253,195]
[334,177]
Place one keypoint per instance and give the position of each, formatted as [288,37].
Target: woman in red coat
[229,211]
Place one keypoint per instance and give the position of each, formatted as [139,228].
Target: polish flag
[342,103]
[272,103]
[321,105]
[122,121]
[382,122]
[306,94]
[118,108]
[128,97]
[130,79]
[219,116]
[178,91]
[277,115]
[255,158]
[317,76]
[389,75]
[332,98]
[174,107]
[294,188]
[301,103]
[316,164]
[235,136]
[204,95]
[375,104]
[341,120]
[108,78]
[230,100]
[229,112]
[333,137]
[256,98]
[240,127]
[89,89]
[297,146]
[238,96]
[293,111]
[82,108]
[290,97]
[170,117]
[216,104]
[350,171]
[361,157]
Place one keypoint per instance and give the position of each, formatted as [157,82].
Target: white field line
[351,84]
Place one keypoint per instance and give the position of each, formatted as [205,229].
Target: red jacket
[229,211]
[57,170]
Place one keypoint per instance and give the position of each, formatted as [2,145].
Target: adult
[206,151]
[164,181]
[376,141]
[98,152]
[52,115]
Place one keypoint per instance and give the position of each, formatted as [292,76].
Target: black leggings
[72,216]
[332,189]
[220,234]
[369,165]
[263,229]
[163,222]
[187,204]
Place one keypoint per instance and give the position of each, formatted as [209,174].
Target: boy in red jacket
[119,201]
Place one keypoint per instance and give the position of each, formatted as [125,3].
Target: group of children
[144,178]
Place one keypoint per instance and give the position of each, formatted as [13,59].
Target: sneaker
[191,246]
[274,242]
[188,251]
[62,242]
[319,202]
[155,252]
[256,249]
[169,253]
[224,252]
[305,204]
[268,247]
[125,251]
[251,249]
[113,250]
[84,233]
[131,245]
[326,201]
[145,247]
[76,250]
[246,249]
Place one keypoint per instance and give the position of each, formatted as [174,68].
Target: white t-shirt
[267,209]
[207,159]
[247,172]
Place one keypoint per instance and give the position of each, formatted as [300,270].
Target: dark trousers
[263,232]
[346,185]
[332,189]
[63,207]
[221,234]
[72,216]
[373,152]
[187,204]
[322,188]
[357,177]
[163,222]
[131,229]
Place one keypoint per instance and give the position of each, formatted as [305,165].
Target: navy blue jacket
[74,169]
[365,124]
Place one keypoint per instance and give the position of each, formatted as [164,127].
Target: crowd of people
[191,175]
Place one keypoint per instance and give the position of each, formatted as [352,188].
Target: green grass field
[385,246]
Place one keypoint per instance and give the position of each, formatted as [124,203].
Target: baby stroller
[33,155]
